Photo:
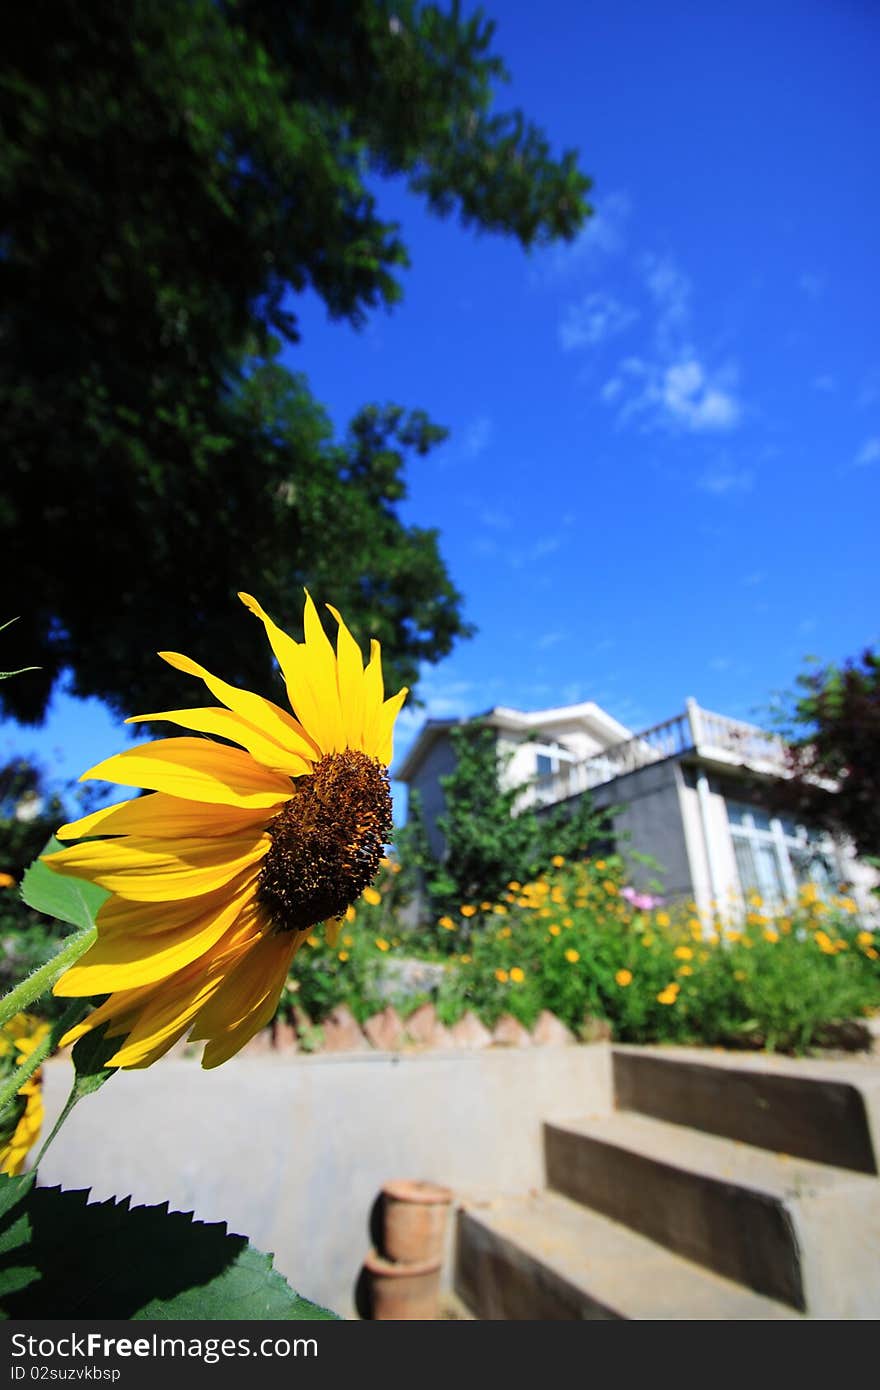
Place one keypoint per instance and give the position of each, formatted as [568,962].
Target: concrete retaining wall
[292,1151]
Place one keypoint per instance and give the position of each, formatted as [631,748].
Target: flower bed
[577,944]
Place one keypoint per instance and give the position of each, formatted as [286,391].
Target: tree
[833,733]
[172,172]
[489,842]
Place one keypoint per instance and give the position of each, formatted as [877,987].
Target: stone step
[800,1232]
[546,1258]
[821,1111]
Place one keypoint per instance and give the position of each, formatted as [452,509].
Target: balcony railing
[713,737]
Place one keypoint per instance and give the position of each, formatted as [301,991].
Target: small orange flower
[685,970]
[371,896]
[514,886]
[554,930]
[624,978]
[312,941]
[770,934]
[668,995]
[572,956]
[343,955]
[517,975]
[465,960]
[468,910]
[683,953]
[485,907]
[7,881]
[662,919]
[601,866]
[447,924]
[610,888]
[557,861]
[382,944]
[501,977]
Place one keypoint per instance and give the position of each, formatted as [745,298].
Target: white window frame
[782,842]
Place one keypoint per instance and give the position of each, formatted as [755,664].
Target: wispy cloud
[670,384]
[811,285]
[496,520]
[723,479]
[869,453]
[603,236]
[549,639]
[869,391]
[594,319]
[477,437]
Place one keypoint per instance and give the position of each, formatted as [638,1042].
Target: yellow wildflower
[668,995]
[343,955]
[557,861]
[468,910]
[683,953]
[382,944]
[662,919]
[572,956]
[624,978]
[517,975]
[501,976]
[371,896]
[685,970]
[447,924]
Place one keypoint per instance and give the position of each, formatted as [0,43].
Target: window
[775,856]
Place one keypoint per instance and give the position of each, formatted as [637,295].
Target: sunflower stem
[45,976]
[11,1087]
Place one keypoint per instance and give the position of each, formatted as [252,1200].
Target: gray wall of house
[292,1151]
[439,762]
[651,814]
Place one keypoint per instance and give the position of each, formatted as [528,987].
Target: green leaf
[90,1062]
[69,899]
[63,1257]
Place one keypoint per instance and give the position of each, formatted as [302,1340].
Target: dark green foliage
[63,1257]
[172,172]
[833,730]
[487,845]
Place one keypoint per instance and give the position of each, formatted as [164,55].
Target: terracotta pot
[397,1292]
[413,1221]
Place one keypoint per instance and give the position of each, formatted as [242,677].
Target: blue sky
[663,474]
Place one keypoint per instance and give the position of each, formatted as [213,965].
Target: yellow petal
[147,919]
[119,1010]
[155,870]
[385,726]
[350,682]
[332,929]
[248,997]
[164,1021]
[262,714]
[125,961]
[161,816]
[196,769]
[374,690]
[284,647]
[224,724]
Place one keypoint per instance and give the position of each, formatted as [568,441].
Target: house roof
[600,724]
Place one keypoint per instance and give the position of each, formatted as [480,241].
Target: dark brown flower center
[327,841]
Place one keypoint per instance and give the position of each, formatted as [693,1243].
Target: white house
[689,792]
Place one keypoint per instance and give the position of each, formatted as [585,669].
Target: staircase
[720,1187]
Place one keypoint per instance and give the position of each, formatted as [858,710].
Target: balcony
[713,738]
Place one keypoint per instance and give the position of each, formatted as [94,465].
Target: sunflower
[219,876]
[20,1127]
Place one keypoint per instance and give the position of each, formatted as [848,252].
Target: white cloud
[497,521]
[679,396]
[869,452]
[722,480]
[611,390]
[594,319]
[477,436]
[602,236]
